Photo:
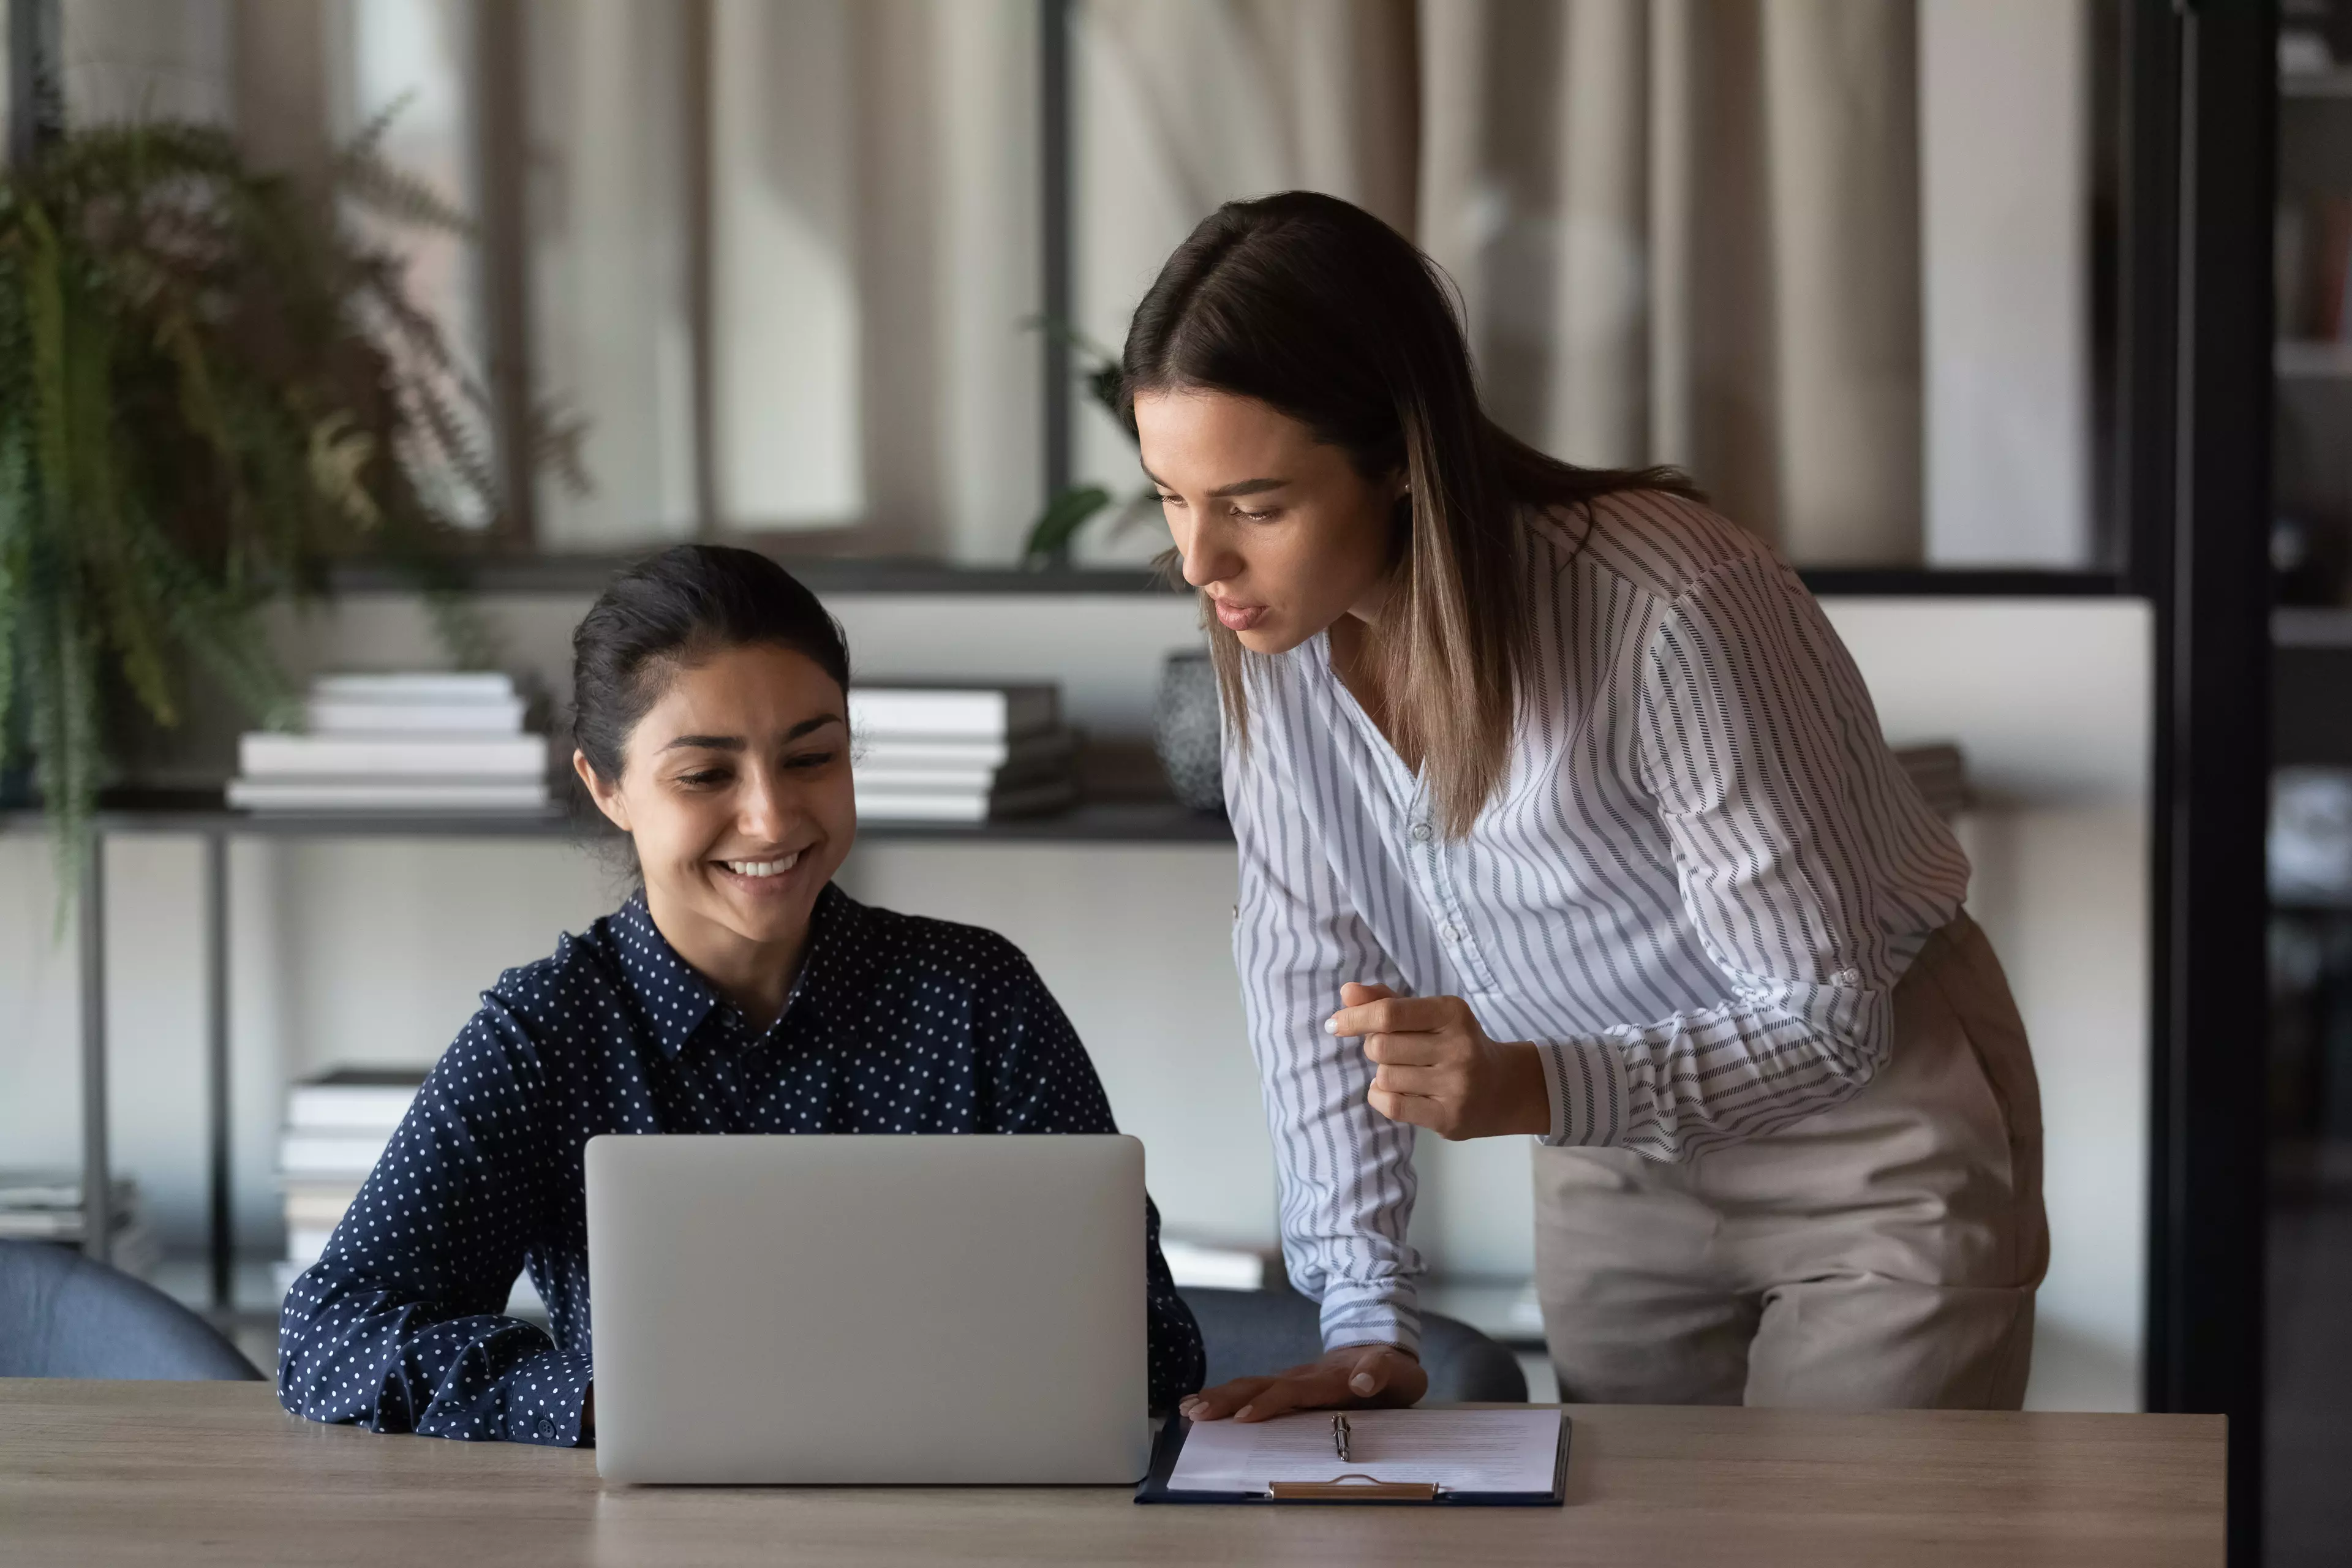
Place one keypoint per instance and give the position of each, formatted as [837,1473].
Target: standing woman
[1562,811]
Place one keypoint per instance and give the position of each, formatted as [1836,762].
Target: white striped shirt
[1695,890]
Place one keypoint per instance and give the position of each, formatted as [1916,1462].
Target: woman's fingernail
[1331,1025]
[1362,1383]
[1244,1413]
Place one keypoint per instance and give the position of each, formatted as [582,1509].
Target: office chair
[62,1315]
[1252,1331]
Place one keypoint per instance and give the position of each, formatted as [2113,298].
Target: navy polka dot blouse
[897,1025]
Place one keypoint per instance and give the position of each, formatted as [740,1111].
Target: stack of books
[420,742]
[959,754]
[337,1126]
[1222,1265]
[46,1206]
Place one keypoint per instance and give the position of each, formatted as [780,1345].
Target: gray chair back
[62,1315]
[1251,1332]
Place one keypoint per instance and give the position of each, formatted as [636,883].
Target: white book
[43,1225]
[1217,1268]
[890,773]
[341,716]
[354,1154]
[911,752]
[40,1189]
[966,712]
[330,1195]
[416,686]
[306,1243]
[389,794]
[317,1213]
[267,754]
[353,1098]
[950,780]
[960,806]
[64,1226]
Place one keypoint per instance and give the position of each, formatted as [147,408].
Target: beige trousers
[1882,1253]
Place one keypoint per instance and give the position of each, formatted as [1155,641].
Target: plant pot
[1186,730]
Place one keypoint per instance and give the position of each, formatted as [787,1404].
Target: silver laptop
[792,1308]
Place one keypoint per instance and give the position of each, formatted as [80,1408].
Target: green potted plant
[1054,535]
[212,388]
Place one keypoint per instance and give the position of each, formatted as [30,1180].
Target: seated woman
[738,991]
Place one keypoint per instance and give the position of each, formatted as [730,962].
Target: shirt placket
[1430,860]
[729,1042]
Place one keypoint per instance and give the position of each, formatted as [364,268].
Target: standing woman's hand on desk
[1349,1375]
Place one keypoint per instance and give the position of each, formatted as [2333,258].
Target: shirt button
[1420,832]
[1846,977]
[1449,934]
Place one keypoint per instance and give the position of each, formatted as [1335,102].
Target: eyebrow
[1226,492]
[736,742]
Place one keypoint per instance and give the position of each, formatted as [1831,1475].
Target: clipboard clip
[1353,1487]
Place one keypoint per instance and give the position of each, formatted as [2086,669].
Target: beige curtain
[1684,231]
[872,260]
[874,263]
[605,87]
[1178,107]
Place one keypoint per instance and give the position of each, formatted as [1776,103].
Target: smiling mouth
[776,867]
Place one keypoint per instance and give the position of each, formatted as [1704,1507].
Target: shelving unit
[202,815]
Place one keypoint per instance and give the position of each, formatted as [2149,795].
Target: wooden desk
[95,1474]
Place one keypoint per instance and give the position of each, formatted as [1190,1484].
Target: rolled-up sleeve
[1758,745]
[1345,1173]
[400,1325]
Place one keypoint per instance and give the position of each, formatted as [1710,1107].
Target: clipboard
[1344,1489]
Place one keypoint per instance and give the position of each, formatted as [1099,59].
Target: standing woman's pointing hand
[1434,1067]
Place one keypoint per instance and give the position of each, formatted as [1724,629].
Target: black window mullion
[501,140]
[1057,289]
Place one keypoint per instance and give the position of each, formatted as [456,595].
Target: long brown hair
[1322,311]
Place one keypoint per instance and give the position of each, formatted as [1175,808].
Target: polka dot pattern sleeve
[400,1325]
[1040,1079]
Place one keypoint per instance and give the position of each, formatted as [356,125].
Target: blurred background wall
[785,262]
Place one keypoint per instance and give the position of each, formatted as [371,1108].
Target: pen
[1339,1437]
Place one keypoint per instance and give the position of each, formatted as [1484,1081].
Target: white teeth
[763,868]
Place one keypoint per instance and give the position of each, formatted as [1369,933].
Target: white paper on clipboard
[1458,1450]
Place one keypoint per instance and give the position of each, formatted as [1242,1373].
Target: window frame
[511,555]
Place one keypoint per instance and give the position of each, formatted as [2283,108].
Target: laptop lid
[874,1308]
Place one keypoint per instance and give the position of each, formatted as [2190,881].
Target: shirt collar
[677,1001]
